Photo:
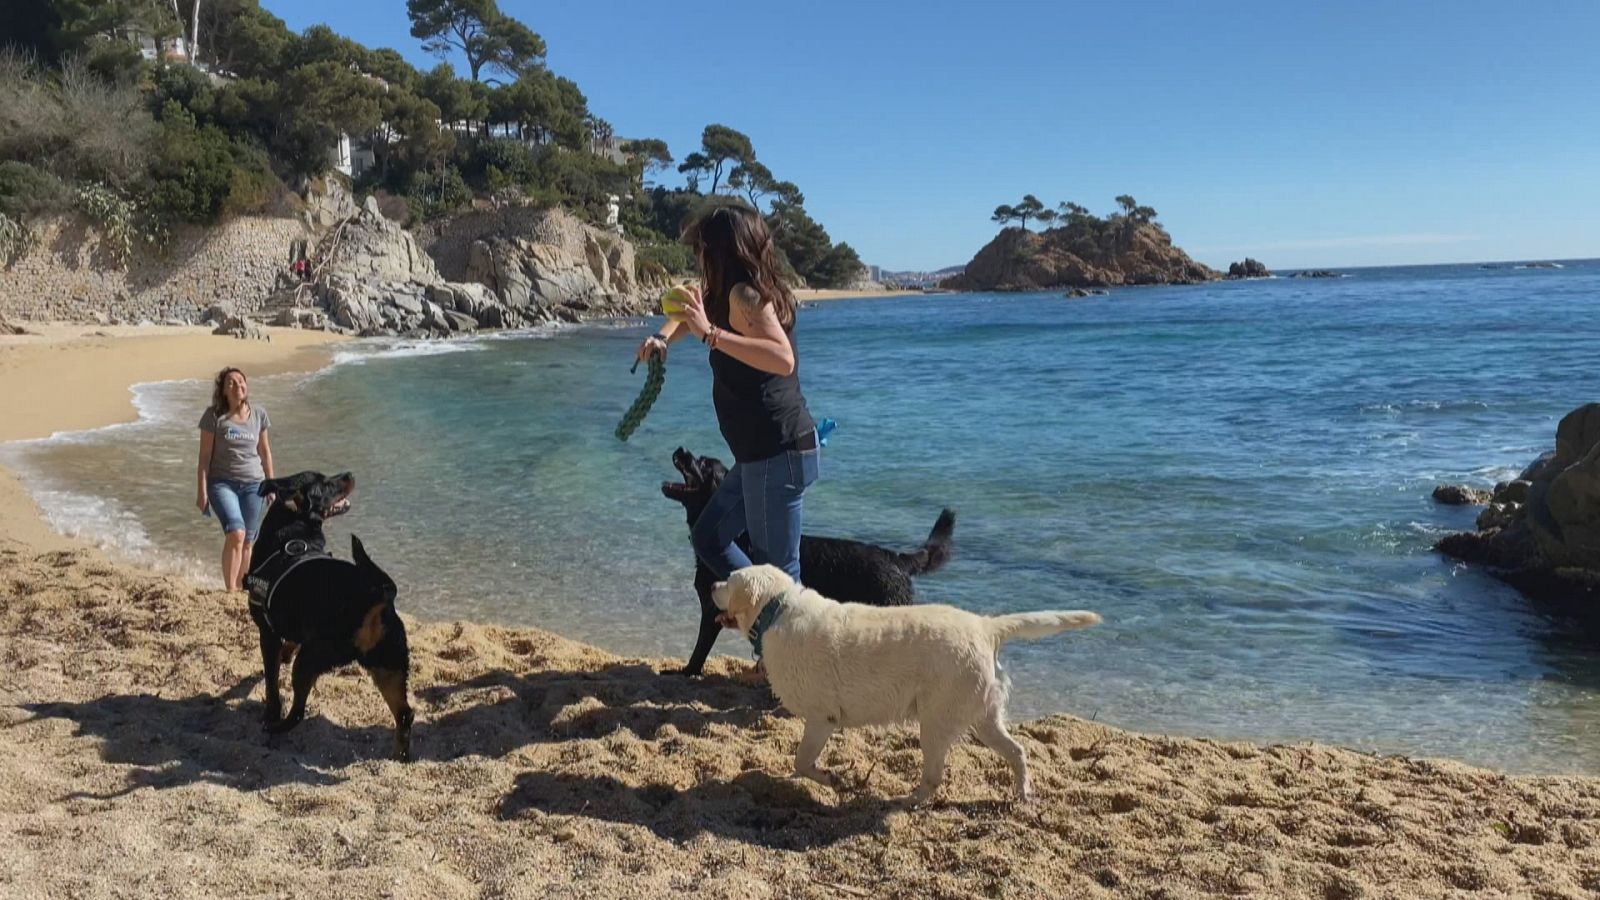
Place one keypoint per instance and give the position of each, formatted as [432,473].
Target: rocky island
[1080,250]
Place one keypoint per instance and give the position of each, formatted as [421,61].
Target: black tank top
[760,414]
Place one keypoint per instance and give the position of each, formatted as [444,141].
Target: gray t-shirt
[233,454]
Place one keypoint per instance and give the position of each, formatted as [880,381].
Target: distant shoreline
[810,294]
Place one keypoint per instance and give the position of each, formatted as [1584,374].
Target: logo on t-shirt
[234,433]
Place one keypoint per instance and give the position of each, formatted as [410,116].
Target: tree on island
[1029,208]
[477,28]
[1134,212]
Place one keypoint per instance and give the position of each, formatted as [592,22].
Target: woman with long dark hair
[744,314]
[235,458]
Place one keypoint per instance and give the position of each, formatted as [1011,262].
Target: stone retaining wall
[69,276]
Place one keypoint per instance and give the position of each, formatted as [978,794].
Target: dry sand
[131,764]
[809,294]
[70,377]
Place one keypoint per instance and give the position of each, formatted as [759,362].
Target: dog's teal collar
[769,614]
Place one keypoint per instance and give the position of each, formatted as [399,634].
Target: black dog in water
[337,612]
[845,570]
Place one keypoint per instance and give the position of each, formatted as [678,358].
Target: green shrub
[671,257]
[433,194]
[28,191]
[511,159]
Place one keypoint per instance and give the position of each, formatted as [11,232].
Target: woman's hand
[652,346]
[201,501]
[693,314]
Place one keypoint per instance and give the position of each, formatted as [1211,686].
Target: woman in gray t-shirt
[234,459]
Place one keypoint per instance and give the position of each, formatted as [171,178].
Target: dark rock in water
[1316,273]
[1460,495]
[1250,268]
[1075,293]
[1541,532]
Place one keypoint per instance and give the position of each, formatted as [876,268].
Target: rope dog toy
[654,379]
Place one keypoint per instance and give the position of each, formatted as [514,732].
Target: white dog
[837,665]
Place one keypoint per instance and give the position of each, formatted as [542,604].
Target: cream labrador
[837,665]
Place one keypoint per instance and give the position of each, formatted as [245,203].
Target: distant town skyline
[1361,134]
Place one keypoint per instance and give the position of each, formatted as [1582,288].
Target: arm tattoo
[749,300]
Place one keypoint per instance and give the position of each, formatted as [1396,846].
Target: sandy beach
[131,761]
[809,294]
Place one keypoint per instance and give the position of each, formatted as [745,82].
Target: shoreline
[131,756]
[811,295]
[66,377]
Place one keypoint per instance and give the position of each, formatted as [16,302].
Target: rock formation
[1250,268]
[1541,531]
[1019,260]
[374,278]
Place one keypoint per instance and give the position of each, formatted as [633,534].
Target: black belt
[807,441]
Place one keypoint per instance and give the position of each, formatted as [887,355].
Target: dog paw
[280,726]
[825,777]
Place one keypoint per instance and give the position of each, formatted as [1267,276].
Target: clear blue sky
[1340,134]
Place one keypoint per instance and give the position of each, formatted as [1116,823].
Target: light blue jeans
[764,499]
[237,505]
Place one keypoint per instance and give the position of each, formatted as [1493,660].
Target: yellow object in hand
[672,302]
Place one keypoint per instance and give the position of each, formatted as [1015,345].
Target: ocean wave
[110,526]
[1425,406]
[387,349]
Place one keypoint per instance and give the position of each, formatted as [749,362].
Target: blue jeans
[237,505]
[762,498]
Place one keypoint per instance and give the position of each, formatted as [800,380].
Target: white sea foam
[107,524]
[366,352]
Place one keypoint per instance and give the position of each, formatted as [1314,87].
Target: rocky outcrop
[1250,268]
[1461,495]
[1317,273]
[1018,260]
[376,279]
[544,259]
[1541,531]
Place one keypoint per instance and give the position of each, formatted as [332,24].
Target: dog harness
[263,582]
[769,614]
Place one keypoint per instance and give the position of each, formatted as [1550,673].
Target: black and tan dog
[849,571]
[335,612]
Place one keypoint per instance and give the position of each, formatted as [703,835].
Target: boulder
[242,328]
[1461,495]
[1250,268]
[1541,532]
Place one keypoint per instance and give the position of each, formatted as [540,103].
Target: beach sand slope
[132,763]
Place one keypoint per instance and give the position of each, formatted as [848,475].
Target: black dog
[845,570]
[337,612]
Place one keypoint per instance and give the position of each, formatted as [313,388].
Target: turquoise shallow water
[1235,475]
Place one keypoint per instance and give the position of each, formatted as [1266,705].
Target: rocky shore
[1541,530]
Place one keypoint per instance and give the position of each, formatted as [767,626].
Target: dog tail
[935,551]
[379,579]
[1027,626]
